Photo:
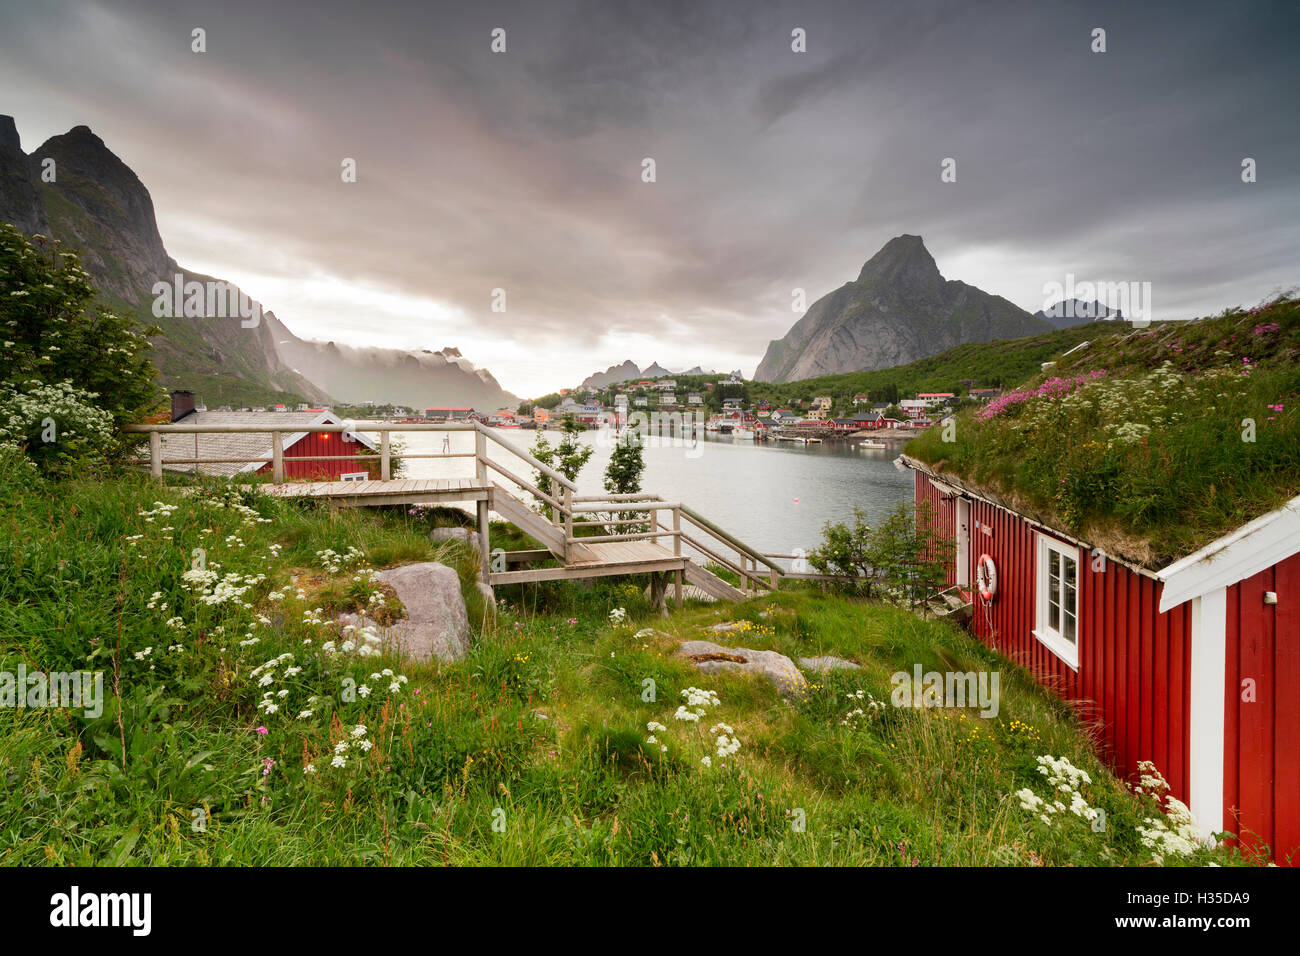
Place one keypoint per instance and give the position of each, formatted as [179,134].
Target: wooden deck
[414,491]
[563,529]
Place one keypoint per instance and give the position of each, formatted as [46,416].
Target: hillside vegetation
[1148,443]
[237,731]
[988,364]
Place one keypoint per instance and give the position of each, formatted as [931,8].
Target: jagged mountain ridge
[1071,312]
[629,371]
[100,209]
[899,309]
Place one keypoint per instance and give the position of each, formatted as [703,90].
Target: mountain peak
[9,132]
[903,259]
[899,310]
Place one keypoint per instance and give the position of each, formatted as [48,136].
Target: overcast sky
[775,169]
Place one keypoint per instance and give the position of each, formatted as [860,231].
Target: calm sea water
[773,496]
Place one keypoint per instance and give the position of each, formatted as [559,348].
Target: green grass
[531,750]
[1180,441]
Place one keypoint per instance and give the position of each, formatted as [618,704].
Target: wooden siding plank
[1256,801]
[1286,710]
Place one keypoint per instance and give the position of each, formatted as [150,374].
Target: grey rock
[436,625]
[777,668]
[464,535]
[489,597]
[823,664]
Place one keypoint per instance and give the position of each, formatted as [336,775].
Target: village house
[447,414]
[694,398]
[251,452]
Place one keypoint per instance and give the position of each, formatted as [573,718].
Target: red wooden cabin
[1194,666]
[243,449]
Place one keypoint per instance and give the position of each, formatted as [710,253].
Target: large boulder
[466,535]
[777,668]
[823,664]
[436,625]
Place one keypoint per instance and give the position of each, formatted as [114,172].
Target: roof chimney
[182,404]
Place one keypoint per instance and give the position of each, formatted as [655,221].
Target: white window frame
[355,476]
[1048,548]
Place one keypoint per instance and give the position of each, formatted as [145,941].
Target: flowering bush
[1067,782]
[52,331]
[1173,832]
[59,427]
[724,742]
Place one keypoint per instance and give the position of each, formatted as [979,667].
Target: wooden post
[484,542]
[385,455]
[568,519]
[155,454]
[480,458]
[557,517]
[277,457]
[677,553]
[771,576]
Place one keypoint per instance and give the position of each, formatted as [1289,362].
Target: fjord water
[773,496]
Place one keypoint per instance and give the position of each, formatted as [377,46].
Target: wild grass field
[241,727]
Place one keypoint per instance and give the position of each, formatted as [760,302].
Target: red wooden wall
[1134,663]
[322,443]
[943,518]
[1261,786]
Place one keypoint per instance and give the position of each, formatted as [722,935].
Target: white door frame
[961,522]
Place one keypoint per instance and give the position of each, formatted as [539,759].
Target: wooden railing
[558,496]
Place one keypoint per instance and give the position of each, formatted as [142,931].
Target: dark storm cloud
[775,169]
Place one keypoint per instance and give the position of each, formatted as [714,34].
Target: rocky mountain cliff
[899,309]
[100,209]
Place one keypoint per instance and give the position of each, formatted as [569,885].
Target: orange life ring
[986,576]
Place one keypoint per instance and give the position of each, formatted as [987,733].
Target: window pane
[1053,615]
[1069,628]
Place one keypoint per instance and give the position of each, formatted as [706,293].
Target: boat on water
[872,443]
[744,434]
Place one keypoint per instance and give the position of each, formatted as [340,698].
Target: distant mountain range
[629,371]
[101,210]
[1070,312]
[899,309]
